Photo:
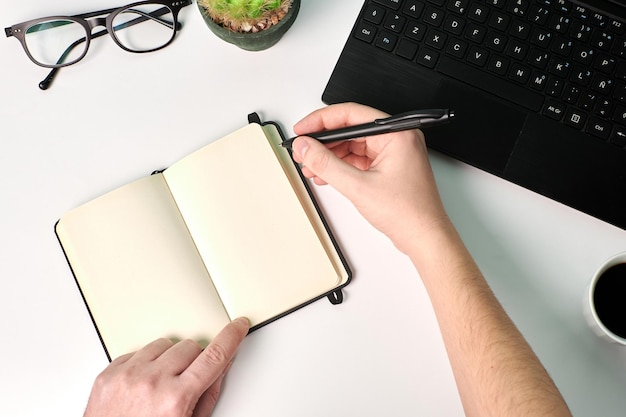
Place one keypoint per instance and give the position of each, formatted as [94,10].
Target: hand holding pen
[403,121]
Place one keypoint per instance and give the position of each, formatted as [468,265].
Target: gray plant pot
[254,41]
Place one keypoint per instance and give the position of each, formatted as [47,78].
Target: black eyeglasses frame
[89,21]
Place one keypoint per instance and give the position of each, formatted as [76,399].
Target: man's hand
[387,177]
[166,379]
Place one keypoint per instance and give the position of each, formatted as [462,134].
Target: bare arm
[388,177]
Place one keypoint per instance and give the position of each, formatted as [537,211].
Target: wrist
[435,244]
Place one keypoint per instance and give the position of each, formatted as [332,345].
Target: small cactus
[246,15]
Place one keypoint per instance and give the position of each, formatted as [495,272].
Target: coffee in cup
[607,299]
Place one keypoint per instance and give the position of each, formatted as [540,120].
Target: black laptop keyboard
[552,57]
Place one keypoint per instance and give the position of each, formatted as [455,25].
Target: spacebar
[487,82]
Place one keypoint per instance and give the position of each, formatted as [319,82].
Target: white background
[115,117]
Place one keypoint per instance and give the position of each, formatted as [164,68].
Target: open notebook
[230,230]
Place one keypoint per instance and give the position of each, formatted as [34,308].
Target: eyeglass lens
[49,42]
[141,28]
[144,27]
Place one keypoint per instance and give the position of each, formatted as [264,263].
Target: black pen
[403,121]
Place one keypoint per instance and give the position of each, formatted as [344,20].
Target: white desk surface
[115,117]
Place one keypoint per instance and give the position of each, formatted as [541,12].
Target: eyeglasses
[58,41]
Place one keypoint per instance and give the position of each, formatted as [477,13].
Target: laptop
[538,88]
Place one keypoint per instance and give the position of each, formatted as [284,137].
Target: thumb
[324,164]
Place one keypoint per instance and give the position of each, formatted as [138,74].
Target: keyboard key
[605,63]
[454,25]
[602,40]
[541,38]
[562,46]
[477,56]
[518,7]
[519,73]
[538,81]
[620,92]
[413,8]
[458,6]
[601,84]
[599,128]
[394,22]
[554,87]
[520,30]
[560,23]
[386,41]
[485,81]
[497,3]
[599,20]
[476,33]
[581,76]
[575,118]
[374,14]
[427,57]
[619,48]
[539,15]
[433,16]
[496,41]
[538,58]
[498,65]
[478,12]
[406,49]
[619,115]
[457,48]
[516,50]
[604,107]
[588,101]
[554,109]
[570,94]
[499,21]
[559,67]
[563,6]
[580,32]
[394,4]
[618,137]
[436,39]
[617,27]
[583,54]
[415,30]
[581,13]
[365,32]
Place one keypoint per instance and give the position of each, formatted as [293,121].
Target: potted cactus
[252,25]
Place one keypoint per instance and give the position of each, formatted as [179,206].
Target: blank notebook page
[138,268]
[249,226]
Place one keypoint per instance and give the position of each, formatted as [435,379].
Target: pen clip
[413,116]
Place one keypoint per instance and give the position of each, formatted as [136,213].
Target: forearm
[496,371]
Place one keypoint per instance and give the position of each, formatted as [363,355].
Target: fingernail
[300,146]
[243,320]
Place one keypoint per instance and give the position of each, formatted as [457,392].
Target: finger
[325,165]
[336,116]
[210,364]
[152,350]
[208,400]
[122,359]
[178,358]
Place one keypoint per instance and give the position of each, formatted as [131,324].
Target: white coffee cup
[606,300]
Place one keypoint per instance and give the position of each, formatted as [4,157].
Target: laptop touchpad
[484,131]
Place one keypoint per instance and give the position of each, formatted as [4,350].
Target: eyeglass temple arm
[46,82]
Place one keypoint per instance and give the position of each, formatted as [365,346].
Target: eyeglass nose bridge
[97,21]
